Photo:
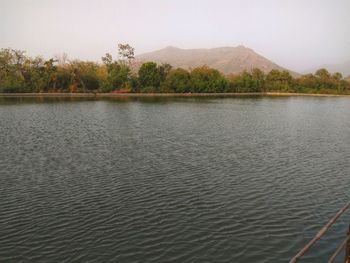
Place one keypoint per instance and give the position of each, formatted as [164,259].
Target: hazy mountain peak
[171,48]
[242,47]
[225,59]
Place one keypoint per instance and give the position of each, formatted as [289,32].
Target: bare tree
[126,52]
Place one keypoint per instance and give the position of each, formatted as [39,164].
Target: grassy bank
[102,95]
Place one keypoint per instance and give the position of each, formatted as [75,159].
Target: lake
[172,179]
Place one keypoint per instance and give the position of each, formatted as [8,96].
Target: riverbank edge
[104,95]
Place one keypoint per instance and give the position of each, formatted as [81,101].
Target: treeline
[20,73]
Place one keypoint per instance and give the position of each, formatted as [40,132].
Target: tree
[11,70]
[205,79]
[279,81]
[324,80]
[242,82]
[118,74]
[338,82]
[149,76]
[164,70]
[86,75]
[50,70]
[323,74]
[258,80]
[107,59]
[20,73]
[126,52]
[178,80]
[307,83]
[337,76]
[63,79]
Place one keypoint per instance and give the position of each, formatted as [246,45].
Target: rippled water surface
[171,180]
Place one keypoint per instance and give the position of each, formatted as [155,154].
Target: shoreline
[116,95]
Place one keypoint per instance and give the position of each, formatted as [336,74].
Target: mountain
[343,68]
[225,59]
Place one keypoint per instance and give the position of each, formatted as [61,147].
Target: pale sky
[296,34]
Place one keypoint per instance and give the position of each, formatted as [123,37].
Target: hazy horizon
[298,35]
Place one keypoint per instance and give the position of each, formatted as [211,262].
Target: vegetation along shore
[124,76]
[130,94]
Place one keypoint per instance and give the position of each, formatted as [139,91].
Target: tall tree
[118,74]
[126,52]
[149,76]
[178,80]
[279,81]
[205,79]
[258,80]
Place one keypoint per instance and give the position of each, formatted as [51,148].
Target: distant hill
[343,68]
[225,59]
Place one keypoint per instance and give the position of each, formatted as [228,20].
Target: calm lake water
[172,179]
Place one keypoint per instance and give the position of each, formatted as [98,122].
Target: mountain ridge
[225,59]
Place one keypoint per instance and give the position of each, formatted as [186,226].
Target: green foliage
[164,70]
[205,79]
[307,82]
[242,82]
[118,73]
[323,74]
[63,79]
[11,77]
[90,82]
[279,81]
[149,77]
[248,82]
[20,73]
[258,80]
[323,82]
[178,80]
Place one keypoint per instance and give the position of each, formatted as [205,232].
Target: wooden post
[319,235]
[347,249]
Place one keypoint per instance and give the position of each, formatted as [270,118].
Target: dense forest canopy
[20,73]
